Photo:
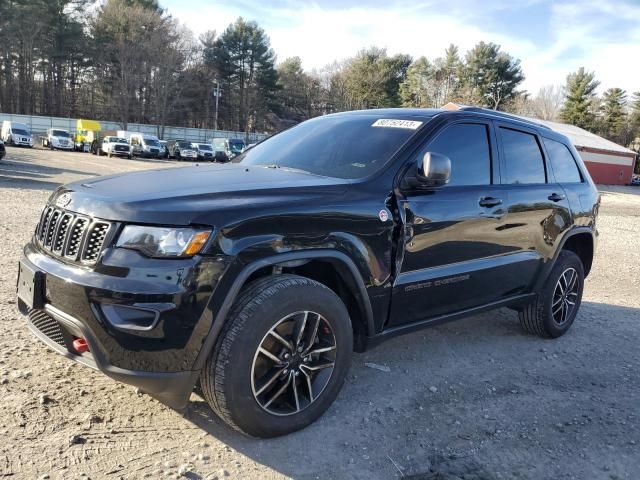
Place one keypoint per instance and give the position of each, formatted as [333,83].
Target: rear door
[537,209]
[454,252]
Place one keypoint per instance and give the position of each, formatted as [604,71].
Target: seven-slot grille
[71,236]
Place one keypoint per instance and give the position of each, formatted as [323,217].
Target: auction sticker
[394,123]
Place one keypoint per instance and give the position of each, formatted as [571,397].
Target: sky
[551,38]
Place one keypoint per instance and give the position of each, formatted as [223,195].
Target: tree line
[131,61]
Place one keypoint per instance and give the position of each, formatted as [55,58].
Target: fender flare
[238,283]
[546,269]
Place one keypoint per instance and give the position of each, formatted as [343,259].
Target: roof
[582,138]
[578,136]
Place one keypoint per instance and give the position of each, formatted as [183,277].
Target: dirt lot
[477,399]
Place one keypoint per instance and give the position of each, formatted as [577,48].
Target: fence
[40,125]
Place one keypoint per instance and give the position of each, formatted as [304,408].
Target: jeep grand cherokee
[256,280]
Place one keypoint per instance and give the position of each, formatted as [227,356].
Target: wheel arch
[295,262]
[580,240]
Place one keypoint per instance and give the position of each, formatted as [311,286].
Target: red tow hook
[80,345]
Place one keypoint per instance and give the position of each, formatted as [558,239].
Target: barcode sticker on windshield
[393,123]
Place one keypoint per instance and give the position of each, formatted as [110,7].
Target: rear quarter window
[562,161]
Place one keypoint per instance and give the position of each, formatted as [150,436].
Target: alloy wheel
[565,296]
[293,363]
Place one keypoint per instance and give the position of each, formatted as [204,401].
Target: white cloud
[320,35]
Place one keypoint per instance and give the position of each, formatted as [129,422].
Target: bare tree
[547,103]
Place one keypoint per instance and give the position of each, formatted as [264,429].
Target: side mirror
[433,169]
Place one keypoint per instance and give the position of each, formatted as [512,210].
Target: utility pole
[216,93]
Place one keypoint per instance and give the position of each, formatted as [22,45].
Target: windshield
[60,133]
[19,131]
[236,146]
[186,145]
[151,142]
[115,140]
[343,146]
[204,146]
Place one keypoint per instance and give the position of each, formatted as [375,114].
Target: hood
[198,195]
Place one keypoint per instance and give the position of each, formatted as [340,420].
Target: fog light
[139,317]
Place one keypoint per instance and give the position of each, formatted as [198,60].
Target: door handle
[556,197]
[489,202]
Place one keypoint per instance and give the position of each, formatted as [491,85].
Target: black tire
[538,317]
[227,376]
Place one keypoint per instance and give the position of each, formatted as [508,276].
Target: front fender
[242,272]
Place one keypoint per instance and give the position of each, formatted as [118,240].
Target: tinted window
[467,146]
[343,146]
[562,162]
[523,158]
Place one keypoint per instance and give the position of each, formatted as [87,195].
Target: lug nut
[297,373]
[307,359]
[300,348]
[286,356]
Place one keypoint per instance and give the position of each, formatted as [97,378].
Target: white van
[16,134]
[142,144]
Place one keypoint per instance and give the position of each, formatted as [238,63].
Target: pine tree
[489,76]
[243,58]
[614,120]
[578,108]
[416,89]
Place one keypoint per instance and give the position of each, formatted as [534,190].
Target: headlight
[163,242]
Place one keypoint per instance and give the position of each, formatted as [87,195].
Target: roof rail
[496,113]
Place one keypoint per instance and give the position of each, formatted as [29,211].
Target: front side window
[467,146]
[524,163]
[342,146]
[562,162]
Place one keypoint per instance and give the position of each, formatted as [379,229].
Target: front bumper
[160,360]
[59,146]
[171,388]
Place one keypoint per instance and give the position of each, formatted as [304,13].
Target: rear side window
[562,162]
[467,146]
[523,158]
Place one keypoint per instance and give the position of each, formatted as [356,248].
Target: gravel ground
[476,399]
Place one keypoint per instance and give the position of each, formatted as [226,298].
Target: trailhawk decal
[437,283]
[391,123]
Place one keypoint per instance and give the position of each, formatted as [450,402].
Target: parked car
[142,145]
[257,279]
[635,180]
[113,145]
[181,150]
[229,146]
[16,134]
[3,151]
[205,151]
[58,138]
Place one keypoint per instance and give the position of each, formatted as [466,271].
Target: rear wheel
[282,357]
[556,307]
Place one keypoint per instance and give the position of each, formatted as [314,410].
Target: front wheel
[556,307]
[281,358]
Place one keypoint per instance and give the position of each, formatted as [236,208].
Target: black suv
[255,281]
